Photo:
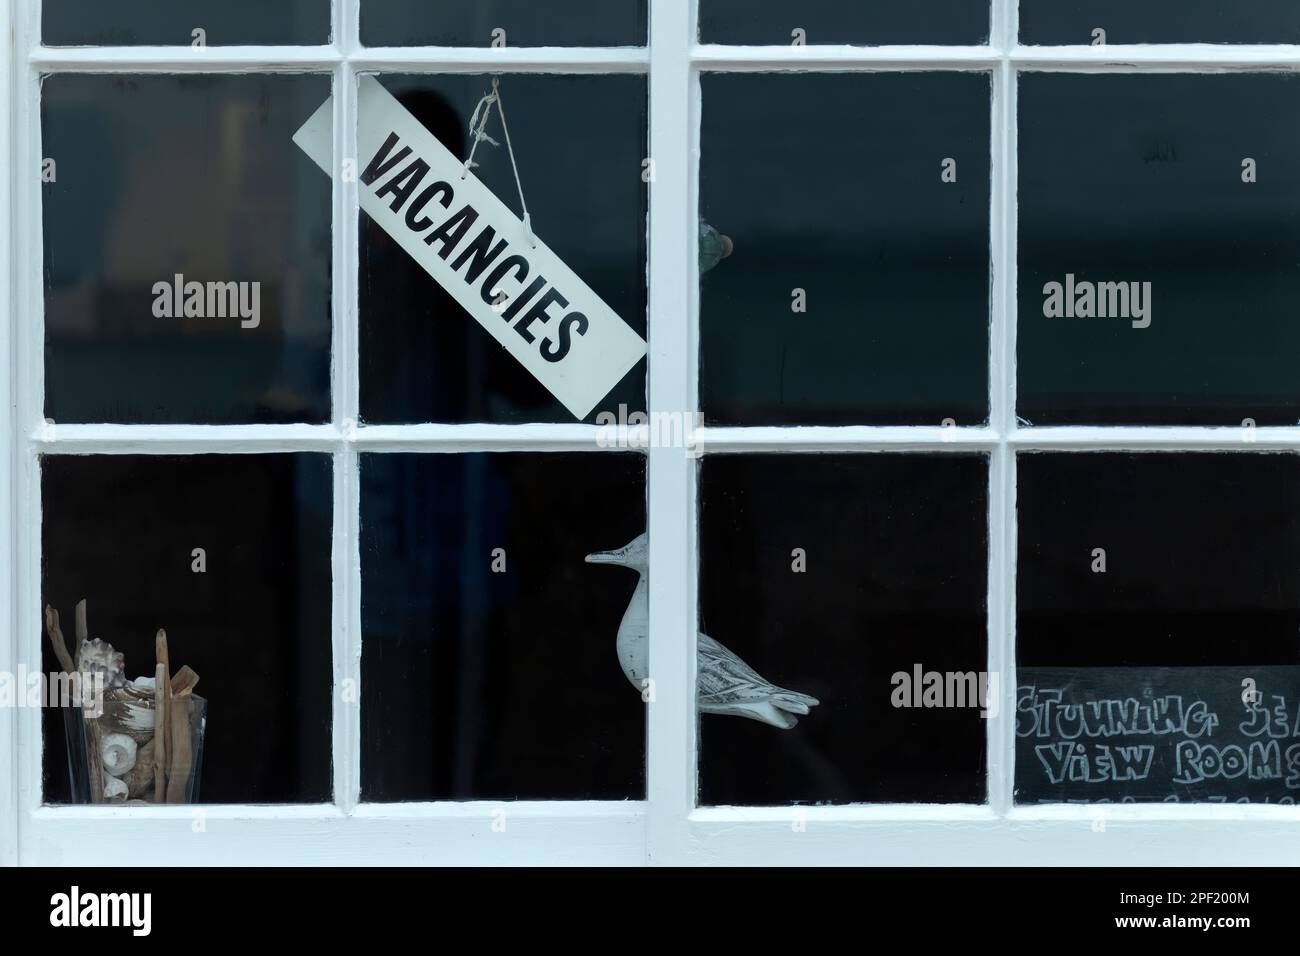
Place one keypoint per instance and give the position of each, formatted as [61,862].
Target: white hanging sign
[533,304]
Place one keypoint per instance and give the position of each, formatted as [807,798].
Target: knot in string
[478,129]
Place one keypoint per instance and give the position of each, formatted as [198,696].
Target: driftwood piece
[181,752]
[83,631]
[56,639]
[139,779]
[160,733]
[184,681]
[164,661]
[94,737]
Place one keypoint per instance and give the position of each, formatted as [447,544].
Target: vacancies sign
[533,304]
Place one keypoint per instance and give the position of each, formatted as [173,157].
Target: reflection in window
[187,250]
[1159,263]
[184,22]
[503,23]
[230,554]
[1158,21]
[490,663]
[1200,559]
[830,574]
[833,21]
[856,288]
[423,358]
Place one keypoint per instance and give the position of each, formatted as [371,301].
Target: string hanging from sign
[478,128]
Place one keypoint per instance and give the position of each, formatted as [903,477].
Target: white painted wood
[1179,57]
[1001,602]
[198,439]
[1173,57]
[180,439]
[1180,438]
[571,436]
[957,837]
[831,57]
[473,834]
[818,438]
[29,336]
[504,60]
[670,748]
[346,558]
[183,59]
[545,436]
[323,59]
[8,448]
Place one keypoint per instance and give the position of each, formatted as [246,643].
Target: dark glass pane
[489,666]
[1150,220]
[580,142]
[525,22]
[832,191]
[1157,580]
[1160,21]
[894,556]
[173,22]
[250,614]
[1202,559]
[194,176]
[833,21]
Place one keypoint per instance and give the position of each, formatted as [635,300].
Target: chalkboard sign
[1141,735]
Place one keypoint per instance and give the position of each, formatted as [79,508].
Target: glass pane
[490,665]
[850,579]
[174,22]
[230,555]
[1159,21]
[503,23]
[833,21]
[1159,591]
[844,249]
[1159,259]
[423,356]
[187,250]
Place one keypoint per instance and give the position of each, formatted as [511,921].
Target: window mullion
[346,559]
[1000,737]
[28,338]
[670,750]
[9,630]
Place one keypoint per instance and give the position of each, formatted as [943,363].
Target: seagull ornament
[725,684]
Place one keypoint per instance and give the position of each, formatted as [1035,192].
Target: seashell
[139,779]
[137,717]
[98,657]
[118,752]
[114,789]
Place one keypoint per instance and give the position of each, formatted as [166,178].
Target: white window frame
[667,827]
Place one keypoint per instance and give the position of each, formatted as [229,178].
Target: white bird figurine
[724,684]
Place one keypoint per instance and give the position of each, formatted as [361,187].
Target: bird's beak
[605,557]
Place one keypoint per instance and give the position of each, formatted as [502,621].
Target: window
[971,428]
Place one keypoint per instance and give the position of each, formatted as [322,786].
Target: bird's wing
[724,678]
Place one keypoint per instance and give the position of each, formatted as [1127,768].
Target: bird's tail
[779,708]
[793,701]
